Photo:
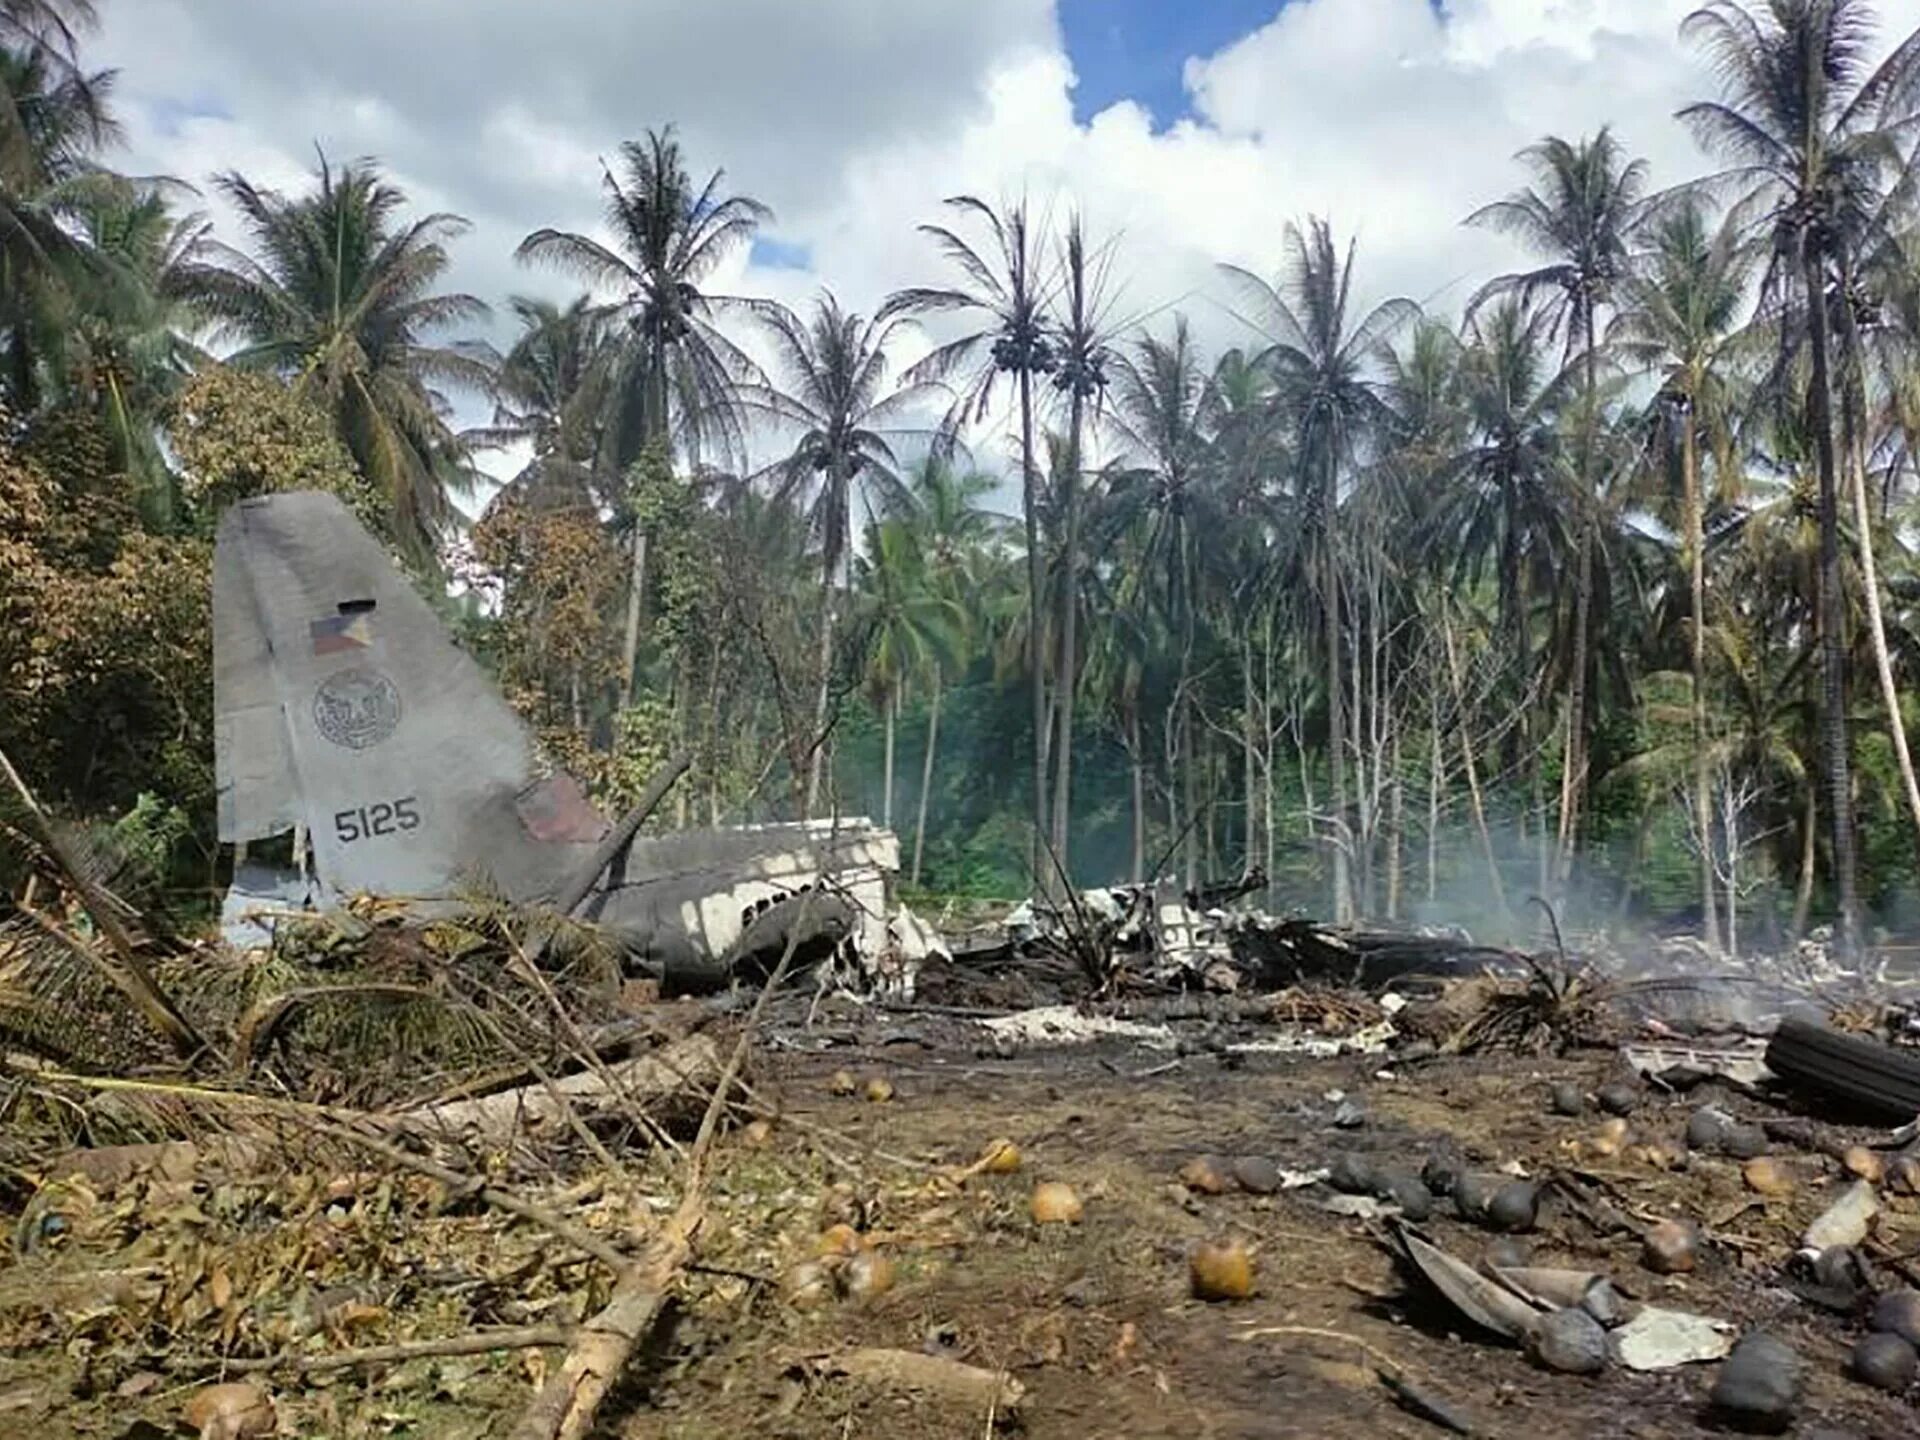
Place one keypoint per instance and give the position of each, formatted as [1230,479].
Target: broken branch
[479,1342]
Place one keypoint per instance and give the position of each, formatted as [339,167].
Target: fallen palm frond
[116,953]
[1551,1012]
[1329,1010]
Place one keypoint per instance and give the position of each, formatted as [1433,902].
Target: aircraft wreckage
[345,711]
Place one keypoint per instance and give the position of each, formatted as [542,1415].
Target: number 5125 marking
[387,817]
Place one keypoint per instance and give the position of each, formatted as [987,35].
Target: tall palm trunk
[1137,764]
[654,427]
[1697,578]
[817,741]
[1065,682]
[1336,713]
[1809,844]
[1573,769]
[636,587]
[889,710]
[1833,663]
[1396,822]
[1436,768]
[1036,644]
[1474,795]
[1189,792]
[926,777]
[1869,569]
[1250,765]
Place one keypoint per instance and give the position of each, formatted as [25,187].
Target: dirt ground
[1094,1319]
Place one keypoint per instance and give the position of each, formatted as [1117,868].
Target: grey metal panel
[257,789]
[410,761]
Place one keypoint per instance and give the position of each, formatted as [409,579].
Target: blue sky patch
[771,254]
[1136,49]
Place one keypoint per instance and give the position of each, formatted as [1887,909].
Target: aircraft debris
[1660,1339]
[345,711]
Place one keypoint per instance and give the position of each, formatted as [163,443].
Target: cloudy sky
[1192,129]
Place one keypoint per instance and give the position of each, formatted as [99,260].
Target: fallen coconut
[1206,1175]
[1766,1176]
[841,1082]
[1903,1175]
[1863,1164]
[1409,1193]
[757,1132]
[1670,1248]
[1618,1098]
[1759,1385]
[1610,1139]
[1707,1128]
[868,1275]
[1256,1174]
[1885,1361]
[1514,1207]
[1440,1174]
[1473,1192]
[808,1285]
[1351,1174]
[1569,1341]
[879,1090]
[999,1157]
[1898,1313]
[1221,1270]
[1603,1303]
[1660,1154]
[1566,1098]
[839,1240]
[1054,1203]
[232,1411]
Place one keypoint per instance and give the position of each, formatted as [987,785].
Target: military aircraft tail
[341,702]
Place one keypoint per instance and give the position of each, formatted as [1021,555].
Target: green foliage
[154,834]
[340,299]
[238,433]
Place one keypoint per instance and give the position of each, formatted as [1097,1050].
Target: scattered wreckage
[521,1151]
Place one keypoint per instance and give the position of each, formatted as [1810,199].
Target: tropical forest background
[1600,586]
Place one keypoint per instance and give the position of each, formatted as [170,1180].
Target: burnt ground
[1052,1305]
[1093,1319]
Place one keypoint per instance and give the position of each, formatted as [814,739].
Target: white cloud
[855,117]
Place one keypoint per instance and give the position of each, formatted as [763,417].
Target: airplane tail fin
[341,702]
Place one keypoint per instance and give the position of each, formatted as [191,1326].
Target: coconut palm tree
[1679,320]
[1164,410]
[1005,289]
[1811,134]
[672,384]
[550,397]
[834,392]
[1506,504]
[1082,338]
[340,297]
[54,121]
[911,623]
[1579,215]
[126,335]
[1325,368]
[956,540]
[43,38]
